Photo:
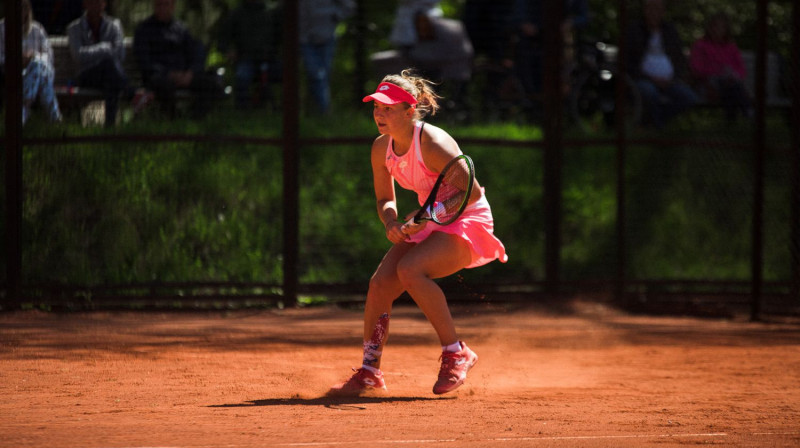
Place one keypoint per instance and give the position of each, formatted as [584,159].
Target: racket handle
[413,221]
[408,223]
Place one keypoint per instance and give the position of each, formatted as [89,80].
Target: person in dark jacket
[170,59]
[656,62]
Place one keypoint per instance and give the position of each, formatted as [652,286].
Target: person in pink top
[411,153]
[717,67]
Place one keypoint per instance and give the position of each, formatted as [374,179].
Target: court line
[496,439]
[505,439]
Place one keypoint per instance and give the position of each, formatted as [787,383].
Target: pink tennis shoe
[453,371]
[362,382]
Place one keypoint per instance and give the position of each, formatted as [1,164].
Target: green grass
[111,213]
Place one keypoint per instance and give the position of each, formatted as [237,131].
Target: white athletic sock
[371,369]
[454,347]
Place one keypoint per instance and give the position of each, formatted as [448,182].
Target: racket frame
[425,212]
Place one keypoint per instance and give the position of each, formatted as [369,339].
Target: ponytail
[420,88]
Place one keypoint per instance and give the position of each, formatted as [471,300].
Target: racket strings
[452,192]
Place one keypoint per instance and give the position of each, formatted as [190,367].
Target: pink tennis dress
[475,225]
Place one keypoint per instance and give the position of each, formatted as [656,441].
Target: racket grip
[413,220]
[408,223]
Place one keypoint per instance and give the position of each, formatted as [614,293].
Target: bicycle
[592,89]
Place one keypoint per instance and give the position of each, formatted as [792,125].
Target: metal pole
[13,141]
[757,257]
[795,151]
[360,51]
[291,151]
[553,13]
[621,141]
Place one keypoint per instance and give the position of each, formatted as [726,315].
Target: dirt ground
[580,375]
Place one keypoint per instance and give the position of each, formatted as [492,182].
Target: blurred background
[214,153]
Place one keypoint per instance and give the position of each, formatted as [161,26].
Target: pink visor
[388,93]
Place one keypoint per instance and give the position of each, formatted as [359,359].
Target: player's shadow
[329,402]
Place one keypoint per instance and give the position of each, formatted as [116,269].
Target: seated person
[37,63]
[95,41]
[250,39]
[657,65]
[170,58]
[443,50]
[717,66]
[404,33]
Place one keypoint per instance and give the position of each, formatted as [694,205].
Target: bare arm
[385,197]
[439,148]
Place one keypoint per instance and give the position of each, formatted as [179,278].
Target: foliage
[212,211]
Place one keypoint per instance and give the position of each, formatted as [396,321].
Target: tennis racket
[450,194]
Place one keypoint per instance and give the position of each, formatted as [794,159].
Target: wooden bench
[90,101]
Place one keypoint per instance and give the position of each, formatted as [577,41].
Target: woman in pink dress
[412,153]
[717,66]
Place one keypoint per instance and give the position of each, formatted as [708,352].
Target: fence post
[794,157]
[360,51]
[291,152]
[759,153]
[622,143]
[13,143]
[553,139]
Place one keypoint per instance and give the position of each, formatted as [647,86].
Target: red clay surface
[586,376]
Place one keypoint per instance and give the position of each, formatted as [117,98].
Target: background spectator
[527,33]
[404,32]
[718,69]
[170,58]
[96,45]
[251,38]
[656,62]
[37,60]
[318,22]
[442,51]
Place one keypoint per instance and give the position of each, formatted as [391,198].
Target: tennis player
[412,153]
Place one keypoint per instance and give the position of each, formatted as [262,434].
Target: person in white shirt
[96,45]
[655,60]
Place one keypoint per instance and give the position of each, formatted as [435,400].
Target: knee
[408,272]
[40,68]
[379,282]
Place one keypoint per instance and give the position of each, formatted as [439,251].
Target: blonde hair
[420,88]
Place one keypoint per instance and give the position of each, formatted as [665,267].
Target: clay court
[581,374]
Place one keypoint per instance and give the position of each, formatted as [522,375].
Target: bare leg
[412,268]
[384,289]
[438,256]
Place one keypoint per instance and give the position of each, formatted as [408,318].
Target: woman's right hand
[394,232]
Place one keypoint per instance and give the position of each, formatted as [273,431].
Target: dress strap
[417,142]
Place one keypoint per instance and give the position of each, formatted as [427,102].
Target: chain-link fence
[216,152]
